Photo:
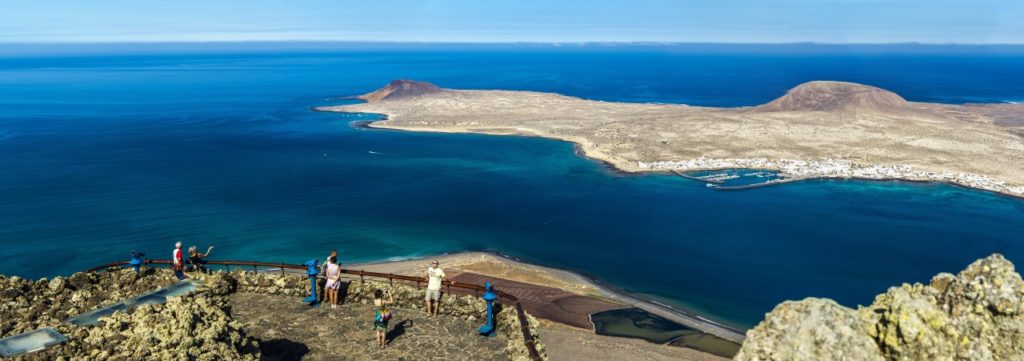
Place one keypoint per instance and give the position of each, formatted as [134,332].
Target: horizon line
[556,43]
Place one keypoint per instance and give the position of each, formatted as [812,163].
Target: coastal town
[794,169]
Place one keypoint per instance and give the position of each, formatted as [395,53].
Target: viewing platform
[273,320]
[263,309]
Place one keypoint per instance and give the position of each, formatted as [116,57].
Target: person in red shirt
[178,262]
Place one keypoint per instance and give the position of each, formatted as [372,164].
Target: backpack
[383,315]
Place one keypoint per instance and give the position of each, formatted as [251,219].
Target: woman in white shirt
[333,274]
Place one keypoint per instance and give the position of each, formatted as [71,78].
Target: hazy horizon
[534,21]
[101,48]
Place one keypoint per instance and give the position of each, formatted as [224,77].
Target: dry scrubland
[818,122]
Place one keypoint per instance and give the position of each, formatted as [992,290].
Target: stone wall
[976,315]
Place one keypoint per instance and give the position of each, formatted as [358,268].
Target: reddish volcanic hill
[829,96]
[399,89]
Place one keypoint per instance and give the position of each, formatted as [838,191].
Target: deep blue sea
[101,153]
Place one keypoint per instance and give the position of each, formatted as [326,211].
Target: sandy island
[819,129]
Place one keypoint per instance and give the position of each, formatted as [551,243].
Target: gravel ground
[290,330]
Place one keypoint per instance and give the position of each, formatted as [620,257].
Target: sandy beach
[502,267]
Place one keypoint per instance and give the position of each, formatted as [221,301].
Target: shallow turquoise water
[102,154]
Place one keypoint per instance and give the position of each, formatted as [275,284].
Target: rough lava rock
[400,89]
[811,329]
[975,315]
[196,327]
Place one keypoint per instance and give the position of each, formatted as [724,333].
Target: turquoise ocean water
[109,150]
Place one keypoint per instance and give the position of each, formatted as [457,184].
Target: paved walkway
[290,330]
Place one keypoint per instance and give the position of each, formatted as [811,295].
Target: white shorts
[332,284]
[433,295]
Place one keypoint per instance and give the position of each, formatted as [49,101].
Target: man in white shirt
[434,277]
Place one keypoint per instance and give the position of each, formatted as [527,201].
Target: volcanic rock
[976,315]
[833,96]
[400,89]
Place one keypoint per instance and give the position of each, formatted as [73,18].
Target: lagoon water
[102,153]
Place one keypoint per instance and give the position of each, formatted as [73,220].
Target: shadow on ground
[283,350]
[398,330]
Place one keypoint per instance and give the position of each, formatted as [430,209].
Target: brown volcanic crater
[400,89]
[831,96]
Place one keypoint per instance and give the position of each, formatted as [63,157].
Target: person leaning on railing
[195,259]
[323,274]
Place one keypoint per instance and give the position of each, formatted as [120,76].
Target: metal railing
[503,297]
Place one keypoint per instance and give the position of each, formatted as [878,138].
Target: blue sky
[730,21]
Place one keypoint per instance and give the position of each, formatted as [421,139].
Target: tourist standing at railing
[323,267]
[195,259]
[333,273]
[433,298]
[381,316]
[178,262]
[323,272]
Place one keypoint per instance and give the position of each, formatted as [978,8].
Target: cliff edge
[975,315]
